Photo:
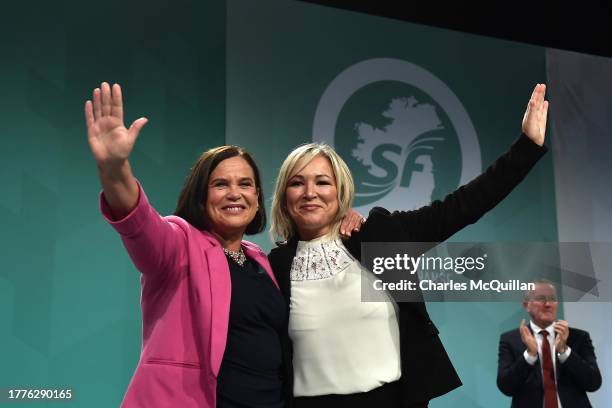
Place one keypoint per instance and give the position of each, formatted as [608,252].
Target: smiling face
[232,197]
[312,199]
[542,305]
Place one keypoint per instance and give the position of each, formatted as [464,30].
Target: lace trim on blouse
[319,259]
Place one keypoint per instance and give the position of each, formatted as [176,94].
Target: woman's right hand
[110,141]
[111,144]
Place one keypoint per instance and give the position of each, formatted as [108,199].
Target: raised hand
[534,120]
[111,144]
[110,141]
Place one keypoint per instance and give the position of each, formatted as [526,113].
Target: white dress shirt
[531,360]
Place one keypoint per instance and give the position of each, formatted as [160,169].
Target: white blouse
[341,345]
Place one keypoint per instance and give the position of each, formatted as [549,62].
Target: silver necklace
[236,256]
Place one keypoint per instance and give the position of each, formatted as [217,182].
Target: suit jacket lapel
[261,259]
[220,294]
[282,258]
[220,297]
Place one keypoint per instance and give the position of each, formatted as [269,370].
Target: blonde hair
[283,226]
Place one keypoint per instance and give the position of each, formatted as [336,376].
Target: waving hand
[534,120]
[111,144]
[110,141]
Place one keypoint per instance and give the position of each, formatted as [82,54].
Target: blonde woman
[351,353]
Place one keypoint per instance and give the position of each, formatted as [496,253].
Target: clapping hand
[562,330]
[528,339]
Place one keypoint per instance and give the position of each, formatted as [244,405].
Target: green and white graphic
[402,131]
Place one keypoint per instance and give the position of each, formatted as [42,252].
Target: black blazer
[426,368]
[523,382]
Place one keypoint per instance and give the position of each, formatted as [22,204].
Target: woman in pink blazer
[213,316]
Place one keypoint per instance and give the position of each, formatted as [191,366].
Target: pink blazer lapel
[220,293]
[220,297]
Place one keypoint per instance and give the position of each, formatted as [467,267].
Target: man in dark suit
[546,364]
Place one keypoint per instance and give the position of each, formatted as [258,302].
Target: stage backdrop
[581,123]
[415,110]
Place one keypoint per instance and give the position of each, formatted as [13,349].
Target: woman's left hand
[351,223]
[534,120]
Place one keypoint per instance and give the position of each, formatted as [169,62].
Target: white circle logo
[387,118]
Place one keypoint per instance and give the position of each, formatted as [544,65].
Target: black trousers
[385,396]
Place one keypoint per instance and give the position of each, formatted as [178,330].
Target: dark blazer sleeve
[512,369]
[439,220]
[581,366]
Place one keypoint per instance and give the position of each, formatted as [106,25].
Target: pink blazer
[185,301]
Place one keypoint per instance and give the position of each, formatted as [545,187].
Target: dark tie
[548,374]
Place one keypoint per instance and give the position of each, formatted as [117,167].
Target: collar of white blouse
[320,258]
